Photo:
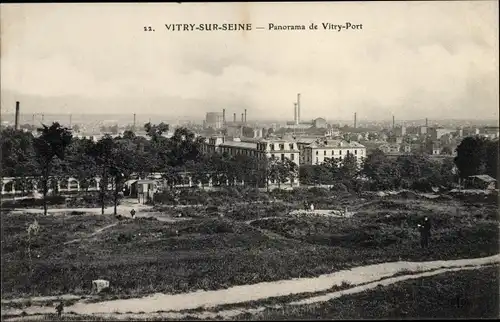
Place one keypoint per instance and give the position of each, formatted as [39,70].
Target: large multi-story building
[271,148]
[319,151]
[280,148]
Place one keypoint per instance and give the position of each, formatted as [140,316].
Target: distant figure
[425,232]
[59,308]
[132,213]
[312,207]
[305,205]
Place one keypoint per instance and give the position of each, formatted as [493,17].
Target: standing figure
[425,232]
[59,308]
[305,205]
[132,213]
[312,207]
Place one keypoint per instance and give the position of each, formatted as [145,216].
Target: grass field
[458,295]
[144,256]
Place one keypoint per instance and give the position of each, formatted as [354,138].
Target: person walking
[59,308]
[132,213]
[425,232]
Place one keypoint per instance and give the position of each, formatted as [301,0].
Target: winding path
[98,231]
[370,276]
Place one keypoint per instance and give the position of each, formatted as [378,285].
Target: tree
[349,168]
[332,167]
[81,165]
[471,156]
[306,174]
[103,155]
[492,148]
[182,147]
[383,173]
[290,170]
[156,131]
[18,154]
[51,143]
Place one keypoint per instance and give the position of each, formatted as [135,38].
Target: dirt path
[265,290]
[98,231]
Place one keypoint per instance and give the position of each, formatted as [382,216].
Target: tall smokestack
[223,116]
[43,117]
[426,122]
[298,108]
[354,120]
[133,129]
[33,120]
[393,122]
[234,117]
[245,116]
[242,115]
[295,113]
[16,124]
[70,121]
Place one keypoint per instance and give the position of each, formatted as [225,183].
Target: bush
[32,202]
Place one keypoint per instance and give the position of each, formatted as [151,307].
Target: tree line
[56,153]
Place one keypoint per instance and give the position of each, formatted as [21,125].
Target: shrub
[32,202]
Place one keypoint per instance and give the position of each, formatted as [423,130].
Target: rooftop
[246,145]
[335,144]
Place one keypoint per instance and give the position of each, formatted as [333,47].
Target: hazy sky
[415,59]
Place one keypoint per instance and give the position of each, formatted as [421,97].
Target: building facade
[320,151]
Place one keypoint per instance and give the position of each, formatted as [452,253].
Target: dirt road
[245,293]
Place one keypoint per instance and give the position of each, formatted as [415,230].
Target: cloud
[411,58]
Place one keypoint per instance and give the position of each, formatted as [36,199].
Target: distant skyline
[412,59]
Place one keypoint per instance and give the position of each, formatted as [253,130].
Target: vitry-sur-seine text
[248,26]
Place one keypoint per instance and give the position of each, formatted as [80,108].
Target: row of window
[338,158]
[292,156]
[340,152]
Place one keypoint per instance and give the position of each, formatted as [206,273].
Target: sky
[410,59]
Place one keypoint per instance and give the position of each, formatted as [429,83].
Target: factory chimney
[133,129]
[234,117]
[295,113]
[245,116]
[393,122]
[70,123]
[223,116]
[17,116]
[33,120]
[298,109]
[426,123]
[354,120]
[242,115]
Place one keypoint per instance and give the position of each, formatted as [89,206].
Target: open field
[359,280]
[456,295]
[247,245]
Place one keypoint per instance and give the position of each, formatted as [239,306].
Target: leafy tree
[332,167]
[471,156]
[383,173]
[18,154]
[81,164]
[183,146]
[103,153]
[156,131]
[290,170]
[492,148]
[349,168]
[51,143]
